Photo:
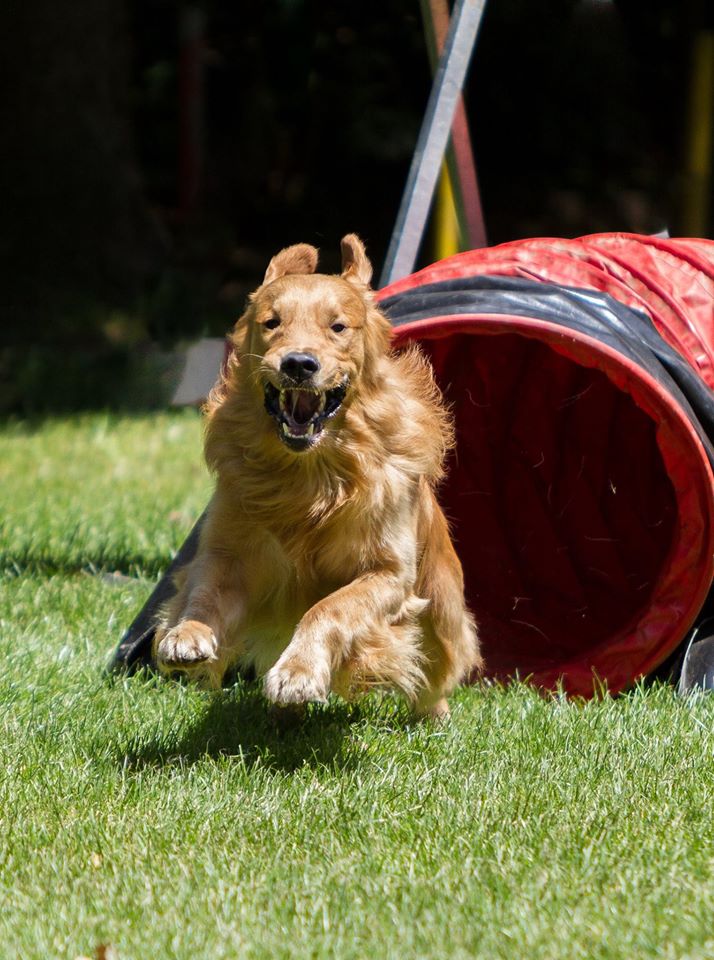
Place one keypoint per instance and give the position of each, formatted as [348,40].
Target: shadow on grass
[240,723]
[32,562]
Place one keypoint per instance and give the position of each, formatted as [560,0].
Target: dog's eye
[272,323]
[337,327]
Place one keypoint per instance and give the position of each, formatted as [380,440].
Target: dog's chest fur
[335,538]
[301,559]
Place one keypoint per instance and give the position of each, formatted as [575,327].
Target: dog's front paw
[294,681]
[188,644]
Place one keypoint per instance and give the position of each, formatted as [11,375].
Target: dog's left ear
[300,258]
[355,264]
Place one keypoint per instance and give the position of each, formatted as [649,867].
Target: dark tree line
[307,116]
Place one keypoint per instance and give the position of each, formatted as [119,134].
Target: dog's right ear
[300,258]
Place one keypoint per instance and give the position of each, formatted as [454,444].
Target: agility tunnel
[580,492]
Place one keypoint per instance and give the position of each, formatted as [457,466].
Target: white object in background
[202,368]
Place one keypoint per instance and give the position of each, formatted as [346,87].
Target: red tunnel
[580,493]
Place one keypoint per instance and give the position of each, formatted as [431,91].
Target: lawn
[174,823]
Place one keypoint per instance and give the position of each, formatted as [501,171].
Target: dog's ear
[239,334]
[300,258]
[355,263]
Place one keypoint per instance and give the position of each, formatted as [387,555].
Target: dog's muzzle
[300,412]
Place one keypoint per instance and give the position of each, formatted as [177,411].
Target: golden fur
[328,567]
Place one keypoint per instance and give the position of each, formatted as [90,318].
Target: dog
[325,561]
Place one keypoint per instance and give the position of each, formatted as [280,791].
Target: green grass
[174,823]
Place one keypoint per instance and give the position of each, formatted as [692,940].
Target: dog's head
[311,342]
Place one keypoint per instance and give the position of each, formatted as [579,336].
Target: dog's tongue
[304,405]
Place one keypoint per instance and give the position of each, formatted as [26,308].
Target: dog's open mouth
[300,412]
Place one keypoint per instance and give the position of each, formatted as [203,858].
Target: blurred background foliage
[155,155]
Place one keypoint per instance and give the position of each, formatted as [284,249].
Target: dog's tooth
[310,430]
[323,401]
[285,429]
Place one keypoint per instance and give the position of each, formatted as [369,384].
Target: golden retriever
[325,560]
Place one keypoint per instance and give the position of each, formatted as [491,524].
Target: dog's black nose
[299,366]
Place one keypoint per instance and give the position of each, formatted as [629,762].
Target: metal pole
[433,137]
[459,153]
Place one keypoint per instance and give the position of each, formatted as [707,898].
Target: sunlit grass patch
[181,824]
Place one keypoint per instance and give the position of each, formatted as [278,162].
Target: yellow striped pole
[700,128]
[447,235]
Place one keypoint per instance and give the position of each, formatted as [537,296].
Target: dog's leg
[327,634]
[429,708]
[450,637]
[192,639]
